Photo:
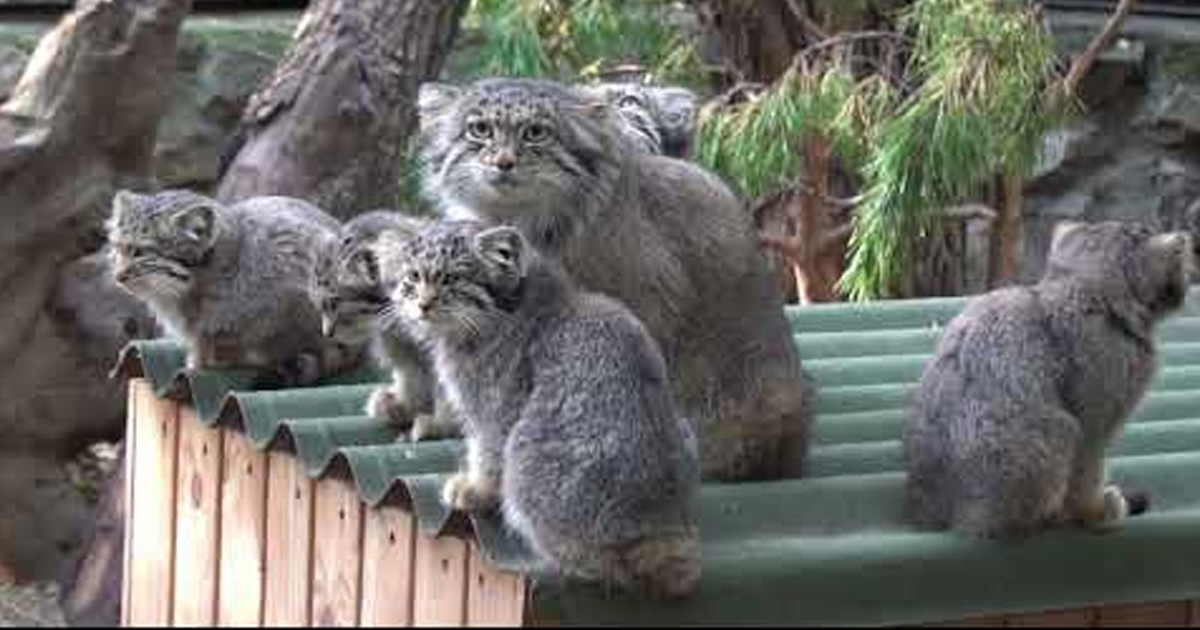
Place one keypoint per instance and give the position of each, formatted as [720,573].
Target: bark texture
[332,122]
[80,124]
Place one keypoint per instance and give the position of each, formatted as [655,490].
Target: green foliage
[579,39]
[744,144]
[979,110]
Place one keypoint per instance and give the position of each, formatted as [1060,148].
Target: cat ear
[503,248]
[432,98]
[1062,229]
[197,223]
[364,263]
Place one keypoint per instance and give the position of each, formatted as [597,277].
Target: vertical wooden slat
[389,538]
[494,597]
[153,463]
[289,543]
[1162,614]
[440,597]
[197,535]
[1057,619]
[337,554]
[129,458]
[1194,613]
[243,532]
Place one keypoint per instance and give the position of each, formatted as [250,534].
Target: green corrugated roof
[828,549]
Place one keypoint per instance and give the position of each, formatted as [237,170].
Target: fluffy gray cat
[660,119]
[661,235]
[349,291]
[1029,385]
[230,280]
[569,418]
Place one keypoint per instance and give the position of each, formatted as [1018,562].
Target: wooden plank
[1194,613]
[494,597]
[1161,614]
[198,513]
[1057,619]
[127,461]
[243,533]
[289,543]
[150,537]
[440,597]
[389,539]
[337,554]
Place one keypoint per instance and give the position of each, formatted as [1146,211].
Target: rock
[221,64]
[1179,114]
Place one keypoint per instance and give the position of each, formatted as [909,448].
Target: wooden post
[337,554]
[289,543]
[152,453]
[243,533]
[441,582]
[495,598]
[389,548]
[198,520]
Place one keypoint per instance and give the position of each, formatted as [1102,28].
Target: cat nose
[505,161]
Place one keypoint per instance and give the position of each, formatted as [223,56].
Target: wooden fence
[219,533]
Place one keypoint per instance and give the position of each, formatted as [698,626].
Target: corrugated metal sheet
[829,549]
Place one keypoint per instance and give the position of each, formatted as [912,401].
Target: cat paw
[461,493]
[384,405]
[1116,510]
[432,427]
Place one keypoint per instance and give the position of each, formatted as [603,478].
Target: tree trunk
[332,123]
[815,243]
[80,124]
[329,127]
[1009,232]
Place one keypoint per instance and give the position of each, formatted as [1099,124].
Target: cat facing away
[349,291]
[570,424]
[659,119]
[231,281]
[661,235]
[1028,387]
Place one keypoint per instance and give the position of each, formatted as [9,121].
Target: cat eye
[629,102]
[412,277]
[535,133]
[479,130]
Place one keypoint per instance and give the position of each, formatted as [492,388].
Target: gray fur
[661,235]
[348,290]
[659,119]
[1029,385]
[232,281]
[570,421]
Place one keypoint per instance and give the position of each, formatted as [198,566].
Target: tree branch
[1084,62]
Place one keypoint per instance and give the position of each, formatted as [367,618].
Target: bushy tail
[663,567]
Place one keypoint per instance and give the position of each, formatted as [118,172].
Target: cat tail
[664,566]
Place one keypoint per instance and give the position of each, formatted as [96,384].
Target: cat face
[347,290]
[159,241]
[658,119]
[1155,269]
[455,278]
[347,287]
[502,146]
